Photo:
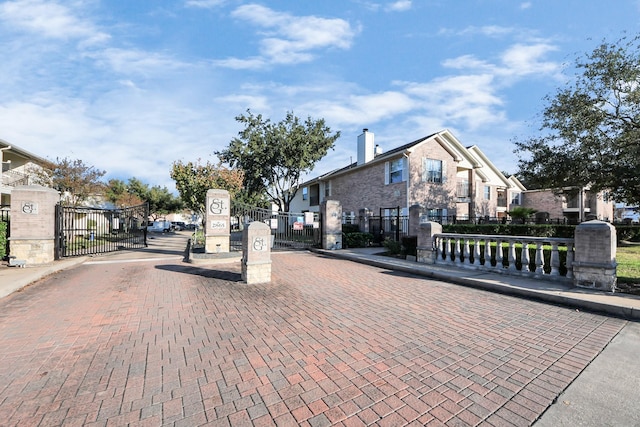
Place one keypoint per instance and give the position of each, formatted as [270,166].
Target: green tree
[75,180]
[161,200]
[590,132]
[117,192]
[193,179]
[521,213]
[273,156]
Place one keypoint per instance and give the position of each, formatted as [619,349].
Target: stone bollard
[426,252]
[256,250]
[595,264]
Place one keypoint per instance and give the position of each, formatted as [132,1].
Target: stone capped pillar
[331,213]
[33,224]
[363,219]
[217,230]
[594,265]
[426,252]
[256,250]
[415,212]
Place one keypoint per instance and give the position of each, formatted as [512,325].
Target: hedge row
[530,230]
[3,239]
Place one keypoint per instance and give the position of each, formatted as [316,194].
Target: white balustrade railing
[537,257]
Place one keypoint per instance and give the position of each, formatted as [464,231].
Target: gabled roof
[488,164]
[445,138]
[13,149]
[517,184]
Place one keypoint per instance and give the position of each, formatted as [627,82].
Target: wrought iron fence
[288,230]
[87,231]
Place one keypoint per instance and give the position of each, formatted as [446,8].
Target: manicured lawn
[628,258]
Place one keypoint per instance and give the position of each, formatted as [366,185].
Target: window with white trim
[433,170]
[327,189]
[396,168]
[487,192]
[305,193]
[396,171]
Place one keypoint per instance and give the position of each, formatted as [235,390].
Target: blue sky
[130,86]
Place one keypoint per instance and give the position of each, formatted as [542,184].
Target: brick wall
[365,188]
[543,201]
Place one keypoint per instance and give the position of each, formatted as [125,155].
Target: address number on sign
[217,225]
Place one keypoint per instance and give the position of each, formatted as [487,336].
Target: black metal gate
[393,226]
[289,231]
[87,231]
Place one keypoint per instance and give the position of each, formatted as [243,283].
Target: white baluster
[555,259]
[512,255]
[524,257]
[487,252]
[539,259]
[569,261]
[476,251]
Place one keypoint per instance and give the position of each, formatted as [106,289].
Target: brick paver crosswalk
[328,342]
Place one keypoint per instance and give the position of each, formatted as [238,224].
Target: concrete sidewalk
[616,304]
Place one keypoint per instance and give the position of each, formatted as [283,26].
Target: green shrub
[357,240]
[393,247]
[628,232]
[350,228]
[3,239]
[529,230]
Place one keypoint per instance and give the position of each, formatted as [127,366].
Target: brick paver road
[329,342]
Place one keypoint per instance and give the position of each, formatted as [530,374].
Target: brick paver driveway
[329,342]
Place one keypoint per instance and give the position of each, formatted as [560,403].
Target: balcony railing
[463,192]
[13,178]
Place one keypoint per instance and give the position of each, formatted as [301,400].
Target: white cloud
[136,61]
[362,109]
[50,19]
[288,39]
[399,6]
[523,60]
[525,5]
[204,4]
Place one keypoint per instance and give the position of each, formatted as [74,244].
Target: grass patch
[628,258]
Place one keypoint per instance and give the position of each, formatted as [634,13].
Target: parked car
[159,226]
[191,227]
[178,225]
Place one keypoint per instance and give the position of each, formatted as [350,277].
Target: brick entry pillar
[595,264]
[331,216]
[426,252]
[33,224]
[256,253]
[217,230]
